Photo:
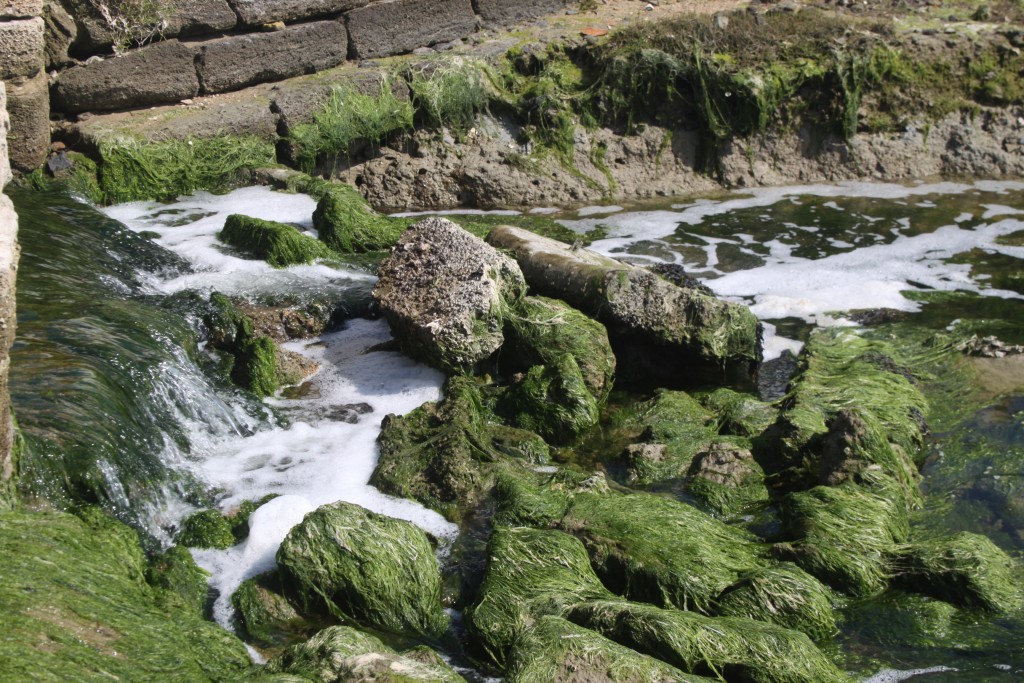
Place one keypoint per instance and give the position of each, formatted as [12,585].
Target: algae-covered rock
[437,453]
[341,653]
[377,570]
[553,400]
[256,366]
[680,327]
[542,330]
[784,595]
[347,224]
[673,421]
[76,606]
[180,582]
[844,535]
[530,573]
[727,479]
[966,569]
[446,294]
[525,501]
[733,648]
[206,529]
[278,244]
[903,619]
[265,614]
[557,651]
[739,414]
[654,549]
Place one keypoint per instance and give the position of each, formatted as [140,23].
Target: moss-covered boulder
[341,653]
[347,224]
[278,244]
[439,454]
[530,573]
[206,529]
[658,550]
[784,595]
[726,647]
[179,581]
[76,605]
[446,295]
[727,479]
[653,321]
[355,564]
[554,401]
[739,414]
[253,362]
[556,650]
[264,613]
[902,619]
[527,498]
[541,330]
[843,535]
[967,570]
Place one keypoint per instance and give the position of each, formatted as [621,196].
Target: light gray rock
[156,74]
[21,48]
[28,103]
[20,9]
[5,126]
[445,293]
[240,61]
[391,27]
[255,12]
[508,12]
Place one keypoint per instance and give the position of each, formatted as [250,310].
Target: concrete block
[255,12]
[28,103]
[21,48]
[240,61]
[156,74]
[511,12]
[20,9]
[392,27]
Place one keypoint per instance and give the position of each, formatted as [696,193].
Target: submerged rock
[446,294]
[341,653]
[278,244]
[681,327]
[346,561]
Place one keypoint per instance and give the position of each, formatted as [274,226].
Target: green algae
[347,224]
[727,648]
[256,366]
[449,92]
[657,550]
[554,649]
[529,499]
[738,414]
[727,480]
[342,653]
[902,619]
[76,607]
[967,570]
[784,595]
[278,244]
[180,582]
[206,529]
[530,573]
[131,169]
[350,563]
[264,613]
[553,400]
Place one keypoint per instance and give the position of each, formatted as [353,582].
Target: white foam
[597,210]
[895,675]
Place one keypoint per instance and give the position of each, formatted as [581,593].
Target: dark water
[110,389]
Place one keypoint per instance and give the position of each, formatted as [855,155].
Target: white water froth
[895,675]
[328,449]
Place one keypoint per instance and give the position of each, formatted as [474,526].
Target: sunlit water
[945,254]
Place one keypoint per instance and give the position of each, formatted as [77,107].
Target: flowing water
[120,407]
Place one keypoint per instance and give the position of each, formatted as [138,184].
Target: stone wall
[8,268]
[217,46]
[22,67]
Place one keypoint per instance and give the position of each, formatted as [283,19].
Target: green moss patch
[530,573]
[967,570]
[131,169]
[724,647]
[75,604]
[347,224]
[654,549]
[784,595]
[278,244]
[449,92]
[354,564]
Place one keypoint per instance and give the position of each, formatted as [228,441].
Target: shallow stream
[120,407]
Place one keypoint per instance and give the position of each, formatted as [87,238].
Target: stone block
[392,27]
[199,17]
[255,12]
[297,100]
[5,125]
[510,12]
[21,48]
[60,32]
[28,103]
[156,74]
[20,9]
[240,61]
[92,35]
